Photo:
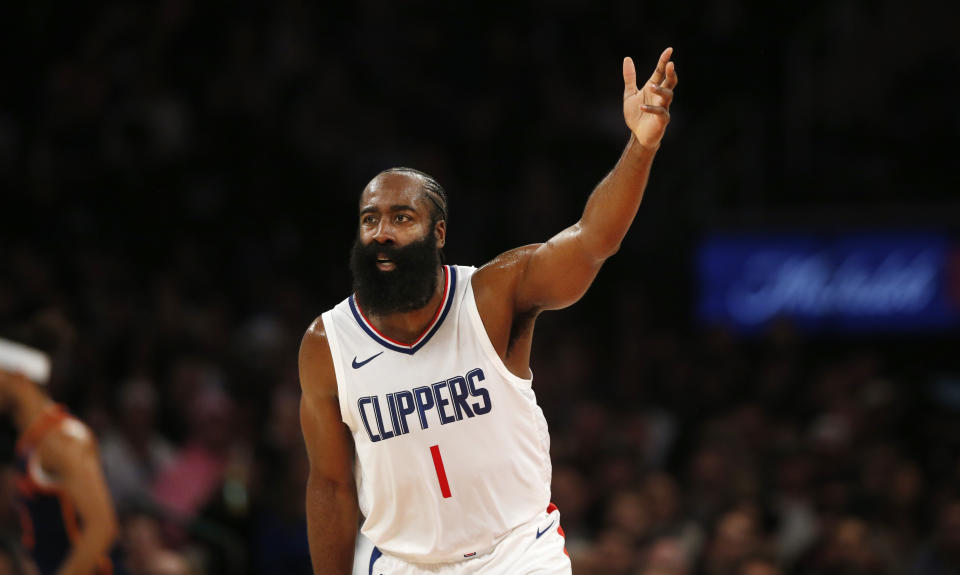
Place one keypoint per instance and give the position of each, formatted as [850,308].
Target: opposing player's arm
[557,273]
[331,497]
[70,453]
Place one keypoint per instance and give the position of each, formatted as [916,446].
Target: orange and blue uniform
[48,520]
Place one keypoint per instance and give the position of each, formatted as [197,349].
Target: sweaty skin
[510,292]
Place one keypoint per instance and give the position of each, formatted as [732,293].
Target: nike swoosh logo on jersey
[539,533]
[359,364]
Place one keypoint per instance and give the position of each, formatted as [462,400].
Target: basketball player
[417,401]
[67,519]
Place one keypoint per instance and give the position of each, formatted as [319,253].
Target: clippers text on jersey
[451,399]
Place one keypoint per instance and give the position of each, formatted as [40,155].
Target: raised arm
[557,273]
[331,492]
[71,454]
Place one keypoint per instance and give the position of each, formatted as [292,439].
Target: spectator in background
[663,498]
[666,556]
[612,554]
[198,469]
[279,529]
[850,548]
[941,556]
[571,491]
[133,453]
[758,565]
[735,537]
[629,513]
[144,550]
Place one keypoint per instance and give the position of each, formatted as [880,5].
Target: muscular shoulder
[499,278]
[495,289]
[68,443]
[316,364]
[316,333]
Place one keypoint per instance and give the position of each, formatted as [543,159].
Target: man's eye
[403,218]
[369,220]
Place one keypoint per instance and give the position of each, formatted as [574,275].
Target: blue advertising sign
[848,282]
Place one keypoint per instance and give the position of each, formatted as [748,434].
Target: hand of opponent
[647,110]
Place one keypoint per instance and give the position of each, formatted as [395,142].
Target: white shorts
[534,548]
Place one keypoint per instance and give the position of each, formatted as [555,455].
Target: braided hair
[433,192]
[431,189]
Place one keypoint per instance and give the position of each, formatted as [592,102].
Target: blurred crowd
[711,455]
[179,184]
[675,451]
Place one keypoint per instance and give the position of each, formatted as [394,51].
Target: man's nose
[384,233]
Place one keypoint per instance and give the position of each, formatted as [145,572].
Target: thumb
[629,77]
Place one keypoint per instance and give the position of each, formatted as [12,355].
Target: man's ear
[440,231]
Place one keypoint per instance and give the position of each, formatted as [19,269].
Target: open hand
[647,110]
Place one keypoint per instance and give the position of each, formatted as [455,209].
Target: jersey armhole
[473,315]
[333,341]
[41,478]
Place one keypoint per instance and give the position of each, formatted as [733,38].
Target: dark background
[178,188]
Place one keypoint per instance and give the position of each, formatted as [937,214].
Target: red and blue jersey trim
[449,288]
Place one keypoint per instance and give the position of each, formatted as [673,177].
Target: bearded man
[418,408]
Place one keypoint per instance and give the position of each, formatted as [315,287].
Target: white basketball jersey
[452,449]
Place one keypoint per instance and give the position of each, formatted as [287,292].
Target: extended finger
[661,70]
[671,80]
[629,77]
[663,95]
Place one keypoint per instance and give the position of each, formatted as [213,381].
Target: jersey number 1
[441,474]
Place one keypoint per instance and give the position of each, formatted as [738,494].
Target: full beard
[407,287]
